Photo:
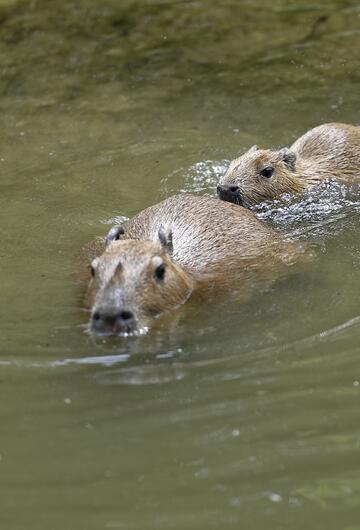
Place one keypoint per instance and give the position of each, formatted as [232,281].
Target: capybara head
[260,175]
[132,283]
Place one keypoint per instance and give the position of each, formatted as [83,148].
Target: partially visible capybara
[330,151]
[185,244]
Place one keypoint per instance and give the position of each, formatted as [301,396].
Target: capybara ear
[114,234]
[166,239]
[289,157]
[253,149]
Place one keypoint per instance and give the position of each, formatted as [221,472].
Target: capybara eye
[160,272]
[267,172]
[92,271]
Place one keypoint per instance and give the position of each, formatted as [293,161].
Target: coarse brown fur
[330,151]
[199,242]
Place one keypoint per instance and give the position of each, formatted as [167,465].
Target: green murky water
[224,416]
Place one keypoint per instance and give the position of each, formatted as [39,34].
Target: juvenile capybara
[330,151]
[185,244]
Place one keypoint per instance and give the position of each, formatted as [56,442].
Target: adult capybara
[185,244]
[330,151]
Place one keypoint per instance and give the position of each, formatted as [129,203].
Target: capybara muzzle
[229,194]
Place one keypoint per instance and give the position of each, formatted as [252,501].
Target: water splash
[201,177]
[327,203]
[117,220]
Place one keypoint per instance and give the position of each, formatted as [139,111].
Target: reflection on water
[224,415]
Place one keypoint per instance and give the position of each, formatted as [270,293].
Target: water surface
[223,416]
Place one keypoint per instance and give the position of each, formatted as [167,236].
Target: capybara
[330,151]
[185,244]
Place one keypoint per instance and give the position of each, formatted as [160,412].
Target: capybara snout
[109,321]
[230,194]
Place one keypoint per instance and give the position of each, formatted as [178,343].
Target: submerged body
[330,151]
[154,262]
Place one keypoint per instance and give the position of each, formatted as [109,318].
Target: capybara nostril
[233,189]
[126,316]
[96,316]
[222,191]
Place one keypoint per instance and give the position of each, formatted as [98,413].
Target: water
[223,416]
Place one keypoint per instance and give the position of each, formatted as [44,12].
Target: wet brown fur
[330,151]
[213,245]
